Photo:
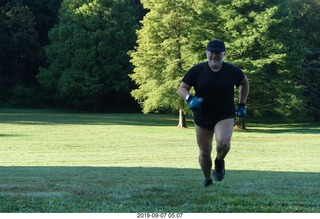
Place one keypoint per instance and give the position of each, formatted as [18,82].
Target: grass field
[55,161]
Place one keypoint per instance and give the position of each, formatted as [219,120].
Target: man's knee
[223,144]
[205,152]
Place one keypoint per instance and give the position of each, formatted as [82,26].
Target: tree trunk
[182,120]
[239,124]
[97,105]
[316,117]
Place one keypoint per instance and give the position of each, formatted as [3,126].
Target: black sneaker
[207,182]
[219,171]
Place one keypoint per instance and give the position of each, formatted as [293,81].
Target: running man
[213,106]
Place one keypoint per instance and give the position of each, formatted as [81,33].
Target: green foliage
[306,21]
[260,40]
[19,49]
[268,39]
[6,58]
[166,50]
[23,96]
[259,37]
[45,16]
[312,81]
[88,51]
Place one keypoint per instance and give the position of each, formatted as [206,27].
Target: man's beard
[215,65]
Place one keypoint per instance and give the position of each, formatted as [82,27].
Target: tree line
[96,54]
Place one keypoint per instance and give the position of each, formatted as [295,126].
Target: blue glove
[241,110]
[194,103]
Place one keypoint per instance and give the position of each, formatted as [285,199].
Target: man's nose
[215,55]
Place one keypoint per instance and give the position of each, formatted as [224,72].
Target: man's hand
[194,103]
[241,110]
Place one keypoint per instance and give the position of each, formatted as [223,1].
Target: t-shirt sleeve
[190,77]
[239,76]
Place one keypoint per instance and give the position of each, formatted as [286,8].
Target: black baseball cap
[216,46]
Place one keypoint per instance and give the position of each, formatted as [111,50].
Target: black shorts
[209,120]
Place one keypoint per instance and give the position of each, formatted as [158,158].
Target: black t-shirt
[216,88]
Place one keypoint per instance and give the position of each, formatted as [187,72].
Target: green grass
[55,161]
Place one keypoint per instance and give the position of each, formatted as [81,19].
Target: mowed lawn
[57,161]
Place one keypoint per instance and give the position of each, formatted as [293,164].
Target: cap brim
[215,49]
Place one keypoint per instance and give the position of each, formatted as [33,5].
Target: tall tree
[20,51]
[306,21]
[312,81]
[88,51]
[260,40]
[6,58]
[45,16]
[171,40]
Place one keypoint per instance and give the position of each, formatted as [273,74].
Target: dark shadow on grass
[48,117]
[9,135]
[299,128]
[52,117]
[138,189]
